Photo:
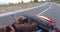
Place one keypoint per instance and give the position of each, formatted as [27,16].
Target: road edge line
[45,10]
[57,4]
[9,13]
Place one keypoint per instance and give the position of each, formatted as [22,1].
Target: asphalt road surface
[50,10]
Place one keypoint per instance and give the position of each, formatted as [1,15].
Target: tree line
[31,1]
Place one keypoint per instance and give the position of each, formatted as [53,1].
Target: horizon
[15,1]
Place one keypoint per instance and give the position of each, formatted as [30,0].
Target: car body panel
[39,21]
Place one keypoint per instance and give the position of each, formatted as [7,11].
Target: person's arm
[10,25]
[14,17]
[3,29]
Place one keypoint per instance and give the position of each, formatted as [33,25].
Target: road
[50,10]
[54,12]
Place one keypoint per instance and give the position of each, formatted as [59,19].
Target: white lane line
[9,13]
[45,10]
[57,4]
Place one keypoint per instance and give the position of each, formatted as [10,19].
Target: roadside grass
[15,7]
[56,1]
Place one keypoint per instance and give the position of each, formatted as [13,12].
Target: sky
[14,1]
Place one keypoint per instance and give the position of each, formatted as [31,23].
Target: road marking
[57,4]
[10,13]
[45,10]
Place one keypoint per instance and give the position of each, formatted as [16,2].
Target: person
[3,28]
[26,27]
[22,27]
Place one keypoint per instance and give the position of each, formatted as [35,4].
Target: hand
[2,29]
[14,17]
[12,29]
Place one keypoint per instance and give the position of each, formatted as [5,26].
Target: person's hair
[19,19]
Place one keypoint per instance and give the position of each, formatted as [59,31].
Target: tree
[35,0]
[56,1]
[31,1]
[41,0]
[22,1]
